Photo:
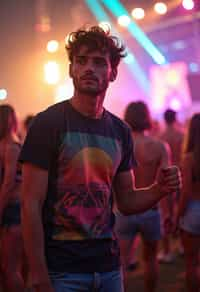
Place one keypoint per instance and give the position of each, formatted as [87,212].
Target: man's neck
[88,106]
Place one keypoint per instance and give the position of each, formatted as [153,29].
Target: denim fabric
[190,221]
[147,223]
[90,282]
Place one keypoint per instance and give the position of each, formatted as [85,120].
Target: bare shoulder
[158,144]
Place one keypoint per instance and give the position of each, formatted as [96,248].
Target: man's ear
[113,74]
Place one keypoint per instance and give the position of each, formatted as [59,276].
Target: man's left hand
[169,180]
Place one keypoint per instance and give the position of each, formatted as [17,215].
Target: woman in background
[189,204]
[10,182]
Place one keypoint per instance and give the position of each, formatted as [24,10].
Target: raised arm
[34,189]
[131,200]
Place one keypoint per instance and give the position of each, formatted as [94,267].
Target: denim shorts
[190,221]
[11,215]
[147,224]
[90,282]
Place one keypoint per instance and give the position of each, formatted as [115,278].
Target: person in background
[188,214]
[155,129]
[152,155]
[28,121]
[11,250]
[173,135]
[75,154]
[26,125]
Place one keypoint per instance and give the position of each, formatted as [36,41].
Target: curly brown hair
[95,38]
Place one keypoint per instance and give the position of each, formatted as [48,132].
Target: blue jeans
[91,282]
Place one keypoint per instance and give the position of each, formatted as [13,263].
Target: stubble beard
[91,91]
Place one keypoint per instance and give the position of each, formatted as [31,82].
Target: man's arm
[131,200]
[34,189]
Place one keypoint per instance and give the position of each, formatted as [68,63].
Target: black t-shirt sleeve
[39,145]
[128,159]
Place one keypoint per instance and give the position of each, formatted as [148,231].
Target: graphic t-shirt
[82,156]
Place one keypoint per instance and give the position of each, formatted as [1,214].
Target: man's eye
[81,61]
[100,61]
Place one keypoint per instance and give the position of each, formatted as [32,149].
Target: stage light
[173,77]
[175,104]
[106,26]
[188,4]
[52,74]
[117,9]
[124,20]
[3,94]
[52,46]
[160,8]
[138,13]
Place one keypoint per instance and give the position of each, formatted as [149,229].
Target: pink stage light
[172,90]
[188,4]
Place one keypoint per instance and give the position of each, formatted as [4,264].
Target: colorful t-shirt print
[86,166]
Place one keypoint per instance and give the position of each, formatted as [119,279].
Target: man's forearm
[140,200]
[33,236]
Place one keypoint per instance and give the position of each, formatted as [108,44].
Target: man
[173,135]
[151,155]
[75,154]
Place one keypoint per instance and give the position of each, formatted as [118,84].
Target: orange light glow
[52,74]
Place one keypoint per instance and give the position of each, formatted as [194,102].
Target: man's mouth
[89,78]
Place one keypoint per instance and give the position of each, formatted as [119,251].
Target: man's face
[91,71]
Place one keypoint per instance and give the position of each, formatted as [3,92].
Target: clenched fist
[169,179]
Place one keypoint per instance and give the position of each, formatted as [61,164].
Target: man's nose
[90,65]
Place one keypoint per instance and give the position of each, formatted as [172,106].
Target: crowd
[80,187]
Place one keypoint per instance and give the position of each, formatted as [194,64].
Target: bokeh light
[3,93]
[160,8]
[138,13]
[188,4]
[52,46]
[124,20]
